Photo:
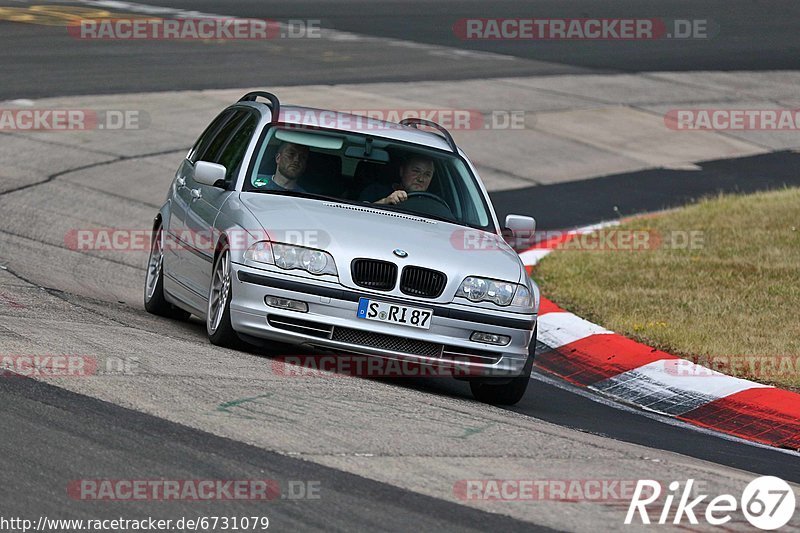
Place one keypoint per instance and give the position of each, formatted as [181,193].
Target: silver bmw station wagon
[345,234]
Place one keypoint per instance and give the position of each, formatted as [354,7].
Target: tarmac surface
[387,454]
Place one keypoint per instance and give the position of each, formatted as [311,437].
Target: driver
[416,174]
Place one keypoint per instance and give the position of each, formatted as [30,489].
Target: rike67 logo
[767,502]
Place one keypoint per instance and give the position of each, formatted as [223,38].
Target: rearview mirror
[314,140]
[376,155]
[207,173]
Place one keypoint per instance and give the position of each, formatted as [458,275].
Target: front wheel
[218,315]
[508,393]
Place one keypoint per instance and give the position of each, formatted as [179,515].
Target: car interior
[344,170]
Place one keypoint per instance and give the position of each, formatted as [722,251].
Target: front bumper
[331,324]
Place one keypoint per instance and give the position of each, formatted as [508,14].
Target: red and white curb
[588,355]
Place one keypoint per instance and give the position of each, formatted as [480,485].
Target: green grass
[732,303]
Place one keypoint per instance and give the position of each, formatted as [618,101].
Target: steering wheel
[427,203]
[432,196]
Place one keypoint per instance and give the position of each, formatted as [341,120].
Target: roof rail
[274,104]
[414,122]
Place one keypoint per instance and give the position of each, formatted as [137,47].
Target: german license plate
[394,313]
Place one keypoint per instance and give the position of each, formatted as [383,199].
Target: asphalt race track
[563,205]
[44,61]
[107,435]
[363,441]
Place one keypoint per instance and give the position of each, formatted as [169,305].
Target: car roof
[352,123]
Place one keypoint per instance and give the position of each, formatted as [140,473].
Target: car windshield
[357,168]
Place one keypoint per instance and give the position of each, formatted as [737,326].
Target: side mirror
[521,231]
[521,224]
[207,173]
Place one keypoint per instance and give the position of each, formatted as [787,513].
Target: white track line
[558,329]
[598,397]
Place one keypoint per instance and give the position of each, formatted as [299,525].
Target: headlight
[314,261]
[522,298]
[260,252]
[291,257]
[474,289]
[488,290]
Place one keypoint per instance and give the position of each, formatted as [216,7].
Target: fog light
[490,338]
[285,303]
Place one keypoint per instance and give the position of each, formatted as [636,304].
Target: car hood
[349,231]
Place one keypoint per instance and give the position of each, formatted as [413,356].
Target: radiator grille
[374,274]
[423,282]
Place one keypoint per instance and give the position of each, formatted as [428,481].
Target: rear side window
[198,150]
[220,139]
[232,154]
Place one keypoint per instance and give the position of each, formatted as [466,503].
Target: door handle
[196,194]
[180,181]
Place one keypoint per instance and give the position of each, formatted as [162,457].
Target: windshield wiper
[439,218]
[299,194]
[423,215]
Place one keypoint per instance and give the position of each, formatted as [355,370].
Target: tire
[218,315]
[154,301]
[508,393]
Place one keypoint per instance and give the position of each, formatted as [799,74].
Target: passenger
[416,174]
[290,162]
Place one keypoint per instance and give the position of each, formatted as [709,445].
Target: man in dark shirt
[290,162]
[416,174]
